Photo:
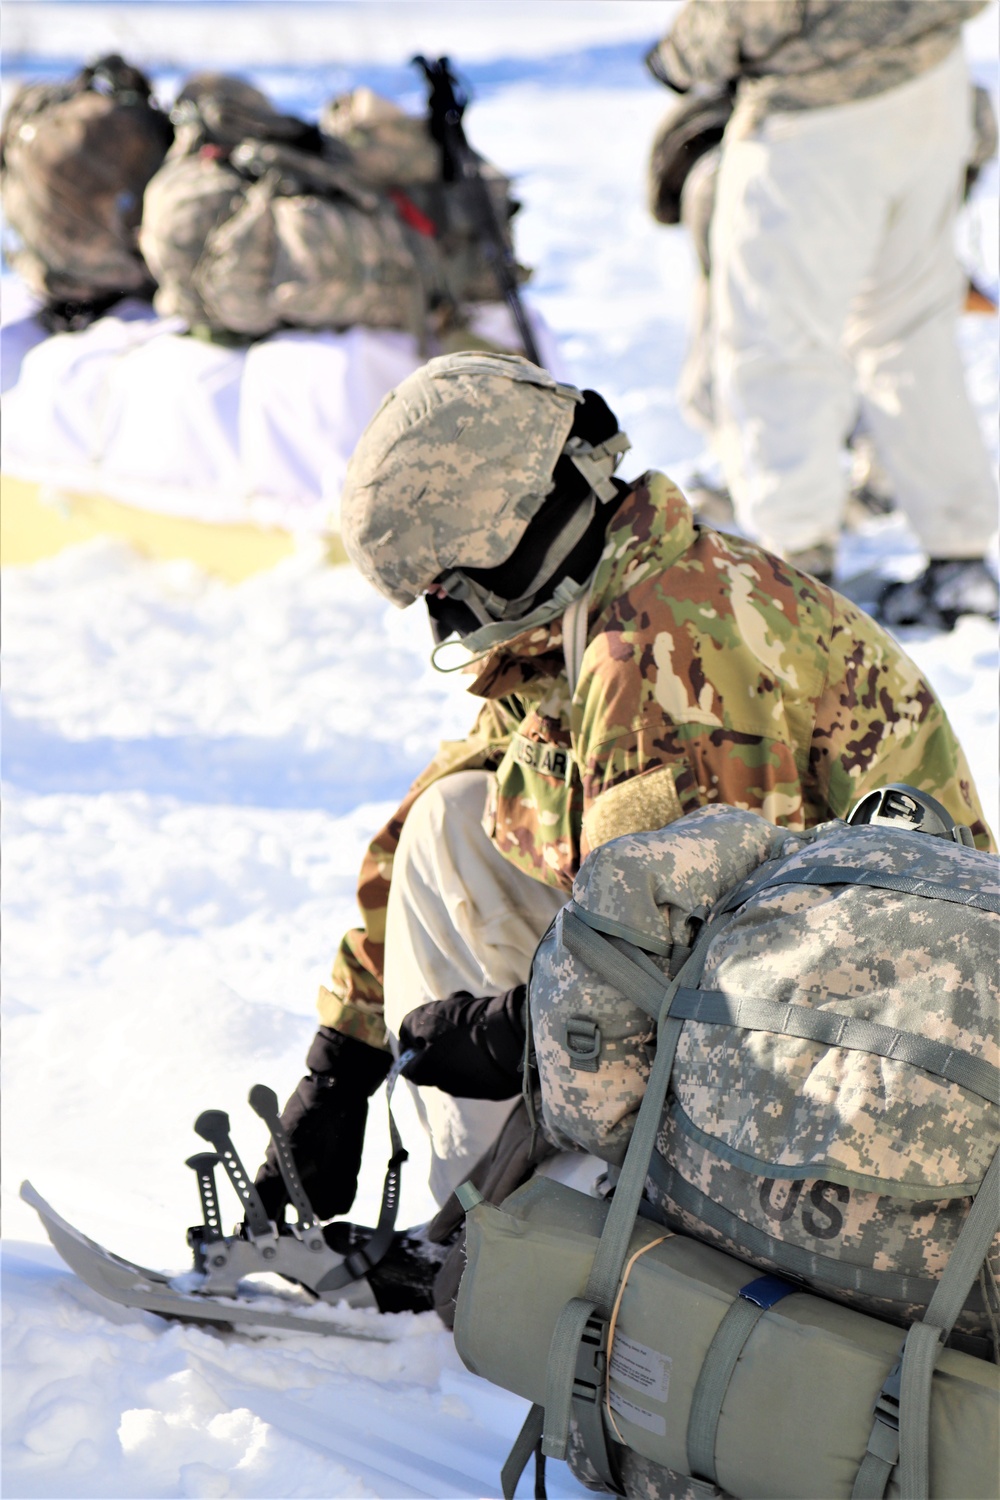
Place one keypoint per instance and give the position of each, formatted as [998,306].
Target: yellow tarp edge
[33,528]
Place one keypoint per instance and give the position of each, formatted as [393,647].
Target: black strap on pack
[459,163]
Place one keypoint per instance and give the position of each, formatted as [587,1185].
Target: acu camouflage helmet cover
[452,468]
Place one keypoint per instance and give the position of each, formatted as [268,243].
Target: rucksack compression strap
[909,885]
[908,1384]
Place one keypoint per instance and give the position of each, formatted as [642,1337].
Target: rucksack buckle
[591,1371]
[886,1408]
[583,1043]
[589,1383]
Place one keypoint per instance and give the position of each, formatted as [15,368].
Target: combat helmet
[481,478]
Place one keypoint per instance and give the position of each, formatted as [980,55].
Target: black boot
[947,589]
[403,1280]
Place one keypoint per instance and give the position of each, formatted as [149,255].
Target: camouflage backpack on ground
[833,1102]
[788,1043]
[396,154]
[290,225]
[74,161]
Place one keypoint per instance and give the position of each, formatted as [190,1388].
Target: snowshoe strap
[204,1164]
[361,1261]
[264,1102]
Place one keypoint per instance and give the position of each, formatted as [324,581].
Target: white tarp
[134,408]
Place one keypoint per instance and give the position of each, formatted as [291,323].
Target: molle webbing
[907,885]
[639,979]
[837,1030]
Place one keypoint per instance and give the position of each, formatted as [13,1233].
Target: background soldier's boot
[948,588]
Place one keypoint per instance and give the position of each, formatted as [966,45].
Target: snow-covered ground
[190,774]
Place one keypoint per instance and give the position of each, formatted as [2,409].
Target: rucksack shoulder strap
[583,1317]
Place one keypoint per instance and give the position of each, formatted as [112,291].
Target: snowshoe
[946,590]
[339,1263]
[253,1306]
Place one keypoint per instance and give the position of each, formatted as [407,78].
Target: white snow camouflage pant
[460,917]
[834,279]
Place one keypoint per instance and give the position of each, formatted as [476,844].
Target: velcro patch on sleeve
[639,805]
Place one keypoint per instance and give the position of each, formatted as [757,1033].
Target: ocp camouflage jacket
[713,672]
[808,54]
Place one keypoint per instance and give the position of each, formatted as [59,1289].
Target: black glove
[469,1047]
[325,1122]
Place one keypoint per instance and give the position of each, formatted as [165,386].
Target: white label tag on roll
[637,1415]
[642,1368]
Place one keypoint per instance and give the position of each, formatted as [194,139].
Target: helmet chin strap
[479,643]
[489,607]
[502,619]
[598,462]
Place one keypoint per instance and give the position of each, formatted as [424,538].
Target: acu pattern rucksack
[258,221]
[397,154]
[787,1043]
[833,1102]
[254,223]
[74,161]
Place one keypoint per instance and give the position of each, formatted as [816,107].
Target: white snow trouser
[834,279]
[694,383]
[460,917]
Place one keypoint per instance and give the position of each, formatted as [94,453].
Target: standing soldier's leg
[903,329]
[460,917]
[694,384]
[796,227]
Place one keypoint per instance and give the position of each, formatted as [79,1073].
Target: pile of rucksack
[243,219]
[785,1046]
[75,159]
